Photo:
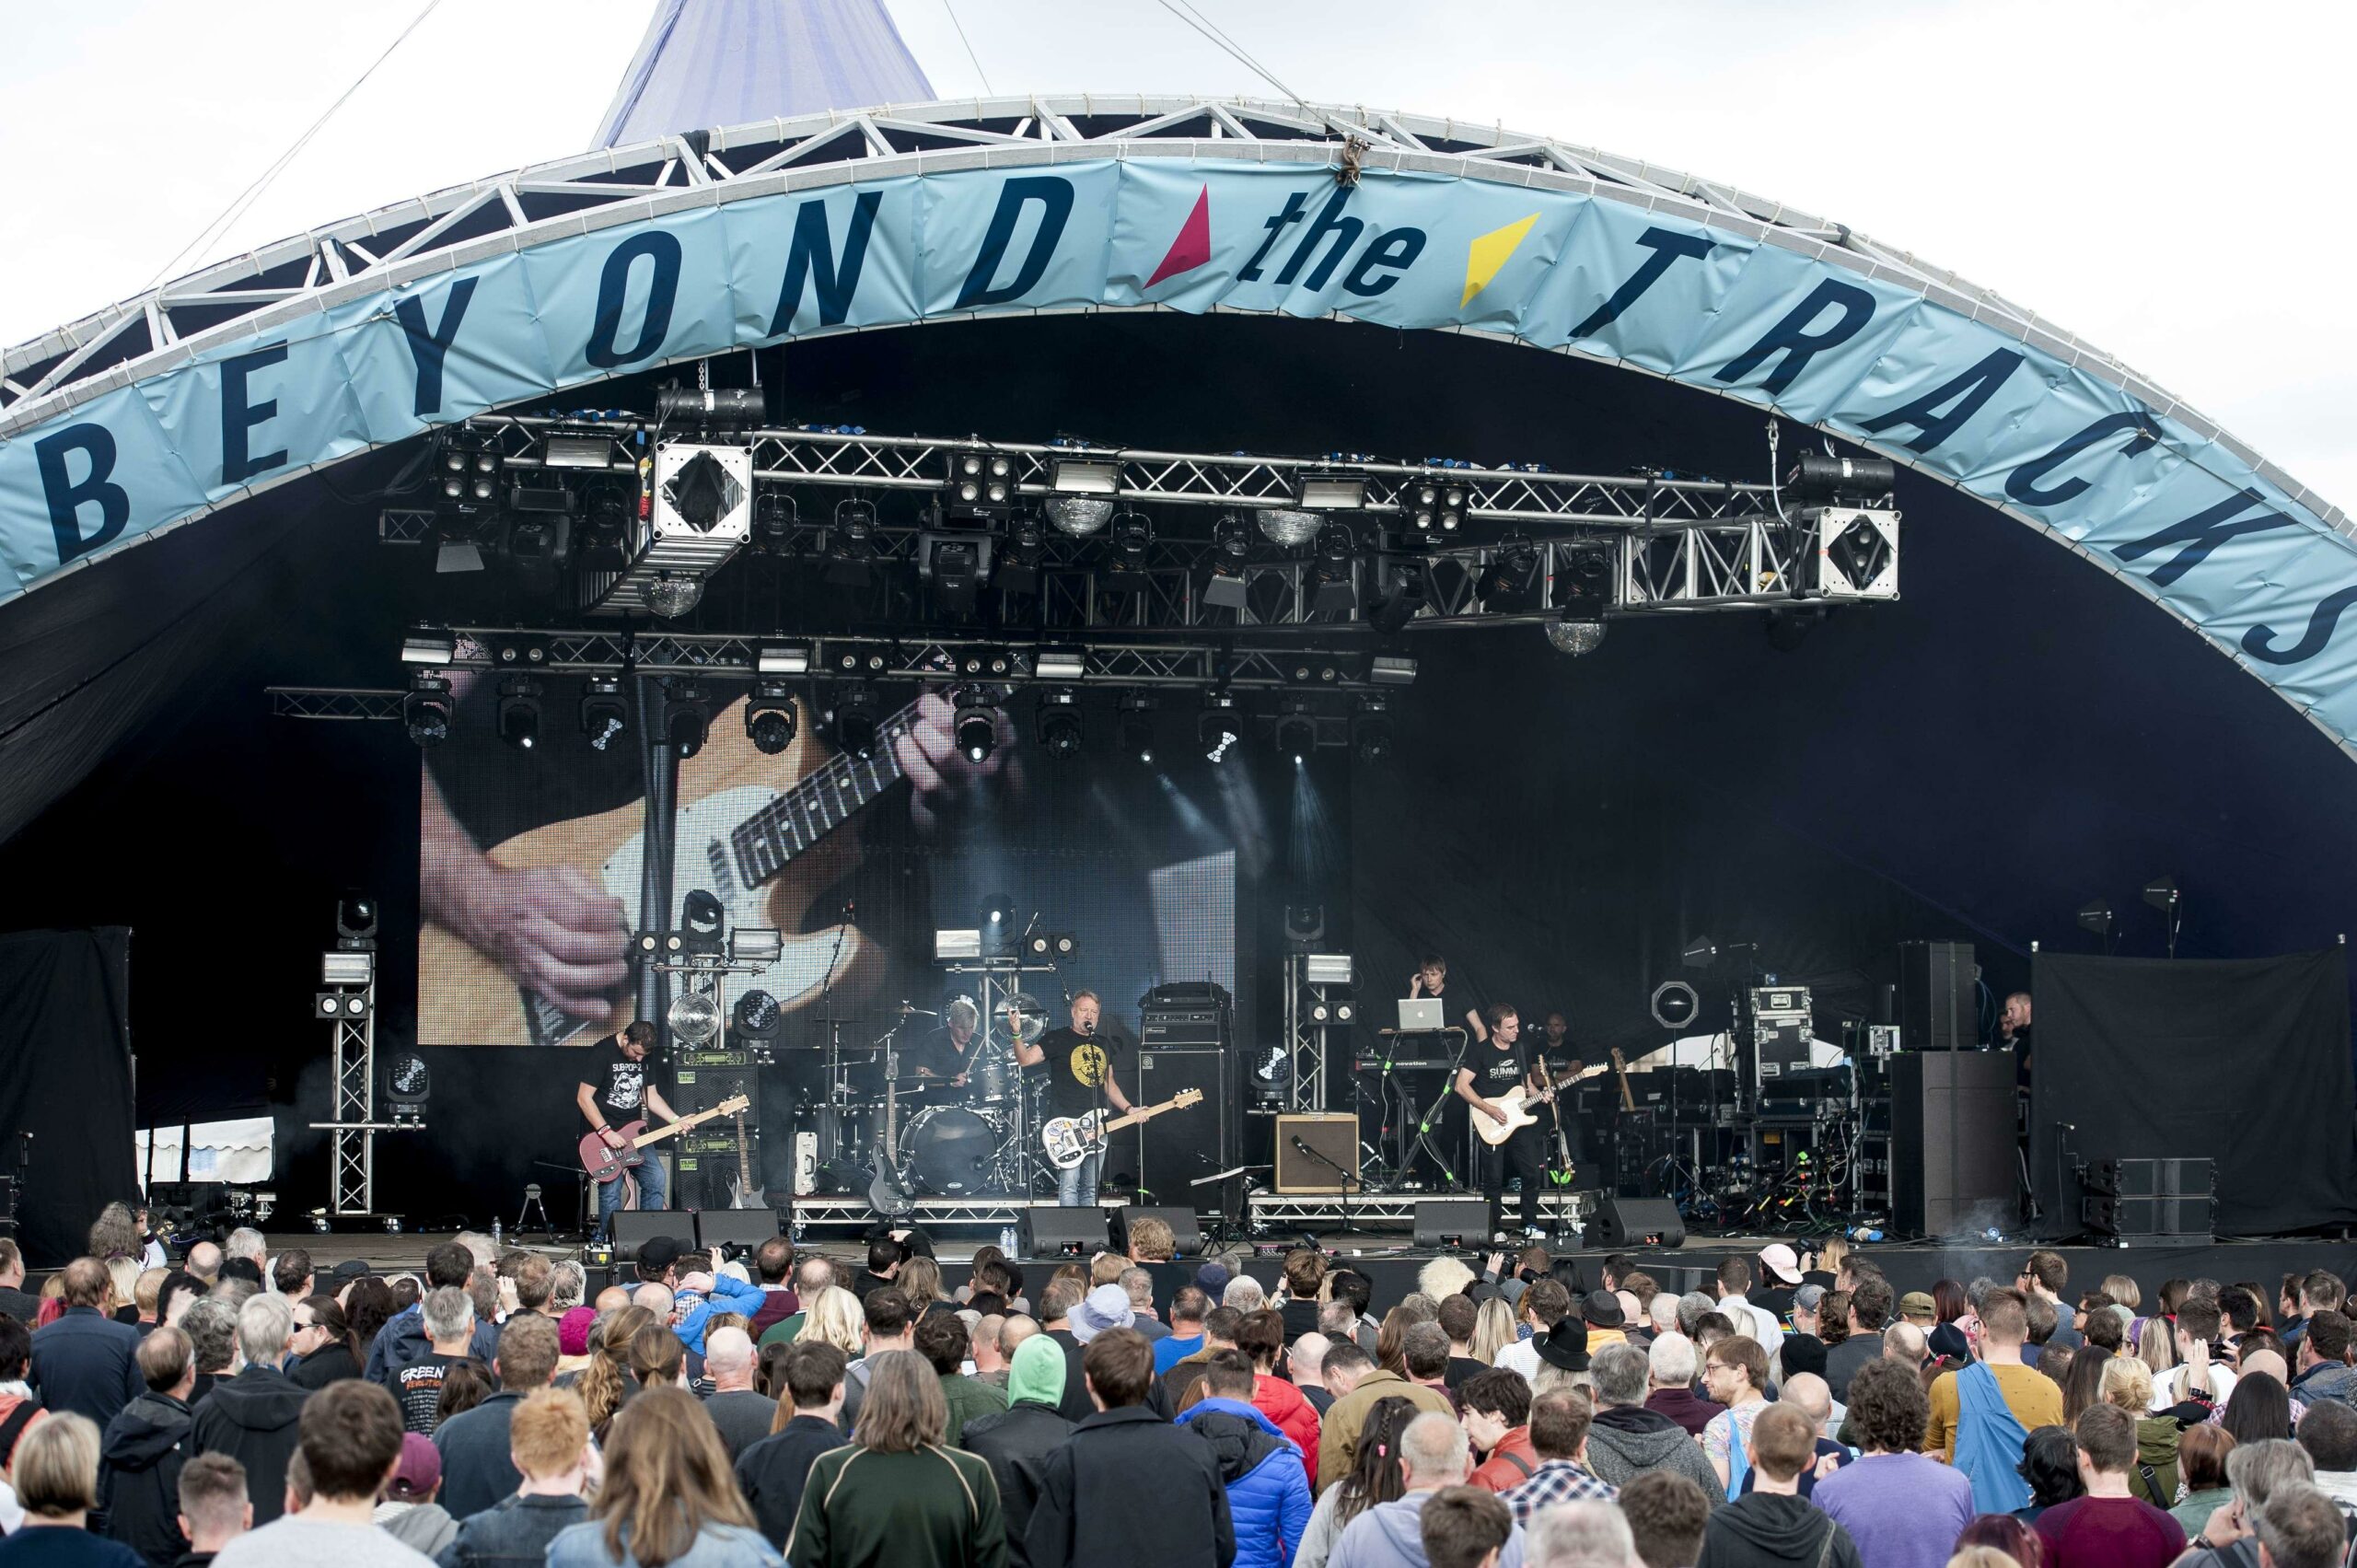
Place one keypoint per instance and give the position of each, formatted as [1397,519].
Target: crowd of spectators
[235,1407]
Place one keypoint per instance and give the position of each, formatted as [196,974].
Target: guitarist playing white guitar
[615,1089]
[1080,1080]
[1495,1081]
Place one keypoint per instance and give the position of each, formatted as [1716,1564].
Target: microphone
[850,908]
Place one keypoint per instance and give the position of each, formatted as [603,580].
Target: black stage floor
[1393,1267]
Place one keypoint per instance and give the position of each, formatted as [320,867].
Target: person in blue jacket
[1267,1488]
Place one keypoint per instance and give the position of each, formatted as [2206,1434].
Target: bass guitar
[1069,1139]
[744,1192]
[604,1162]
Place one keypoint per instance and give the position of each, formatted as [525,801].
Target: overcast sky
[2169,181]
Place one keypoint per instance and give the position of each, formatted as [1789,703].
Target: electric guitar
[745,1193]
[1562,1139]
[1069,1139]
[765,851]
[604,1162]
[1516,1103]
[1621,1071]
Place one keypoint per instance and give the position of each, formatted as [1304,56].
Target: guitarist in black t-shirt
[1496,1067]
[1080,1065]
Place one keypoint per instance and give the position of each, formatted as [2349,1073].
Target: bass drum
[949,1151]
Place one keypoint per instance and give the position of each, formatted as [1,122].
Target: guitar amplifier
[1334,1135]
[1182,1028]
[1181,1143]
[700,1085]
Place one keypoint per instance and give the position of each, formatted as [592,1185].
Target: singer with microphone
[1079,1063]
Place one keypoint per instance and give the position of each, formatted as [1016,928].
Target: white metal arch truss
[297,276]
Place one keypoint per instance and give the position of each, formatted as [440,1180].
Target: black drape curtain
[65,1077]
[2245,1061]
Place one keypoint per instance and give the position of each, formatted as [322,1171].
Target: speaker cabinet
[1064,1233]
[1951,1145]
[634,1227]
[1178,1145]
[1453,1222]
[1186,1233]
[739,1230]
[1935,996]
[1622,1222]
[1334,1136]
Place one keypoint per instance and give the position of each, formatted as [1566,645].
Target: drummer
[949,1053]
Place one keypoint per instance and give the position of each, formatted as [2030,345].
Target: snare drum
[948,1151]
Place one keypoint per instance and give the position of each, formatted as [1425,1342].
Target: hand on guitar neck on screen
[944,782]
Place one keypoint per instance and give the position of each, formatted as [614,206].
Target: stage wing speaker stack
[635,1228]
[1620,1224]
[1334,1135]
[1064,1233]
[1453,1222]
[1936,987]
[1186,1234]
[1952,1150]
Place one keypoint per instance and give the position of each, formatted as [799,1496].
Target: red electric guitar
[605,1164]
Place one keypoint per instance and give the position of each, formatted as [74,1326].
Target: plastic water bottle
[1006,1240]
[496,1238]
[1864,1233]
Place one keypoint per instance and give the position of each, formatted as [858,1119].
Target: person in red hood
[1497,1417]
[1263,1337]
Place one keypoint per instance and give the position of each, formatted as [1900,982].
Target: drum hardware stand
[532,1205]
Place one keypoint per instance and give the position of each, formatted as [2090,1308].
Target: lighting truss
[335,703]
[1679,545]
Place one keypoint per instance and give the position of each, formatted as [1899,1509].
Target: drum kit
[916,1136]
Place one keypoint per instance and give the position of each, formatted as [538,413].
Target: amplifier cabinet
[1334,1134]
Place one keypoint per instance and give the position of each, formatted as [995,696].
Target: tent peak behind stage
[705,63]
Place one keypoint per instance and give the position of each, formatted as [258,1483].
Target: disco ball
[1575,637]
[671,595]
[1079,515]
[1288,528]
[1023,1011]
[694,1016]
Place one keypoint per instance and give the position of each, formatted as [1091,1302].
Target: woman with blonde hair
[1492,1331]
[920,1280]
[608,1383]
[2128,1383]
[667,1496]
[121,1301]
[55,1472]
[896,1494]
[835,1317]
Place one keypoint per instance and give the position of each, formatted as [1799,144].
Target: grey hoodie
[1387,1536]
[1626,1440]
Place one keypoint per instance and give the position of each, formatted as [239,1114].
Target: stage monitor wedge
[1064,1233]
[739,1230]
[1453,1222]
[635,1228]
[1620,1224]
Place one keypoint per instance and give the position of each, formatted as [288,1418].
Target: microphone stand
[1432,1113]
[1302,1145]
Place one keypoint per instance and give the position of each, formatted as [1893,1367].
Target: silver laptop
[1419,1014]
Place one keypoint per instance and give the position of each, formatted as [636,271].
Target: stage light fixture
[1297,734]
[1675,1005]
[1079,515]
[334,1004]
[1320,490]
[774,516]
[1857,553]
[348,966]
[1506,581]
[998,924]
[1059,725]
[407,1082]
[1219,726]
[1391,669]
[1134,729]
[1574,637]
[1304,925]
[1084,476]
[1820,476]
[853,721]
[1789,626]
[755,944]
[1289,529]
[429,647]
[702,917]
[1060,663]
[770,718]
[782,658]
[1583,575]
[1127,549]
[356,922]
[605,717]
[576,452]
[965,942]
[520,712]
[850,545]
[1333,577]
[687,717]
[1019,555]
[673,594]
[758,1015]
[1371,734]
[1231,550]
[1435,509]
[1390,614]
[606,517]
[957,565]
[973,723]
[427,710]
[981,482]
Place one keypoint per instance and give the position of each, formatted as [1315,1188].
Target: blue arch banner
[2180,516]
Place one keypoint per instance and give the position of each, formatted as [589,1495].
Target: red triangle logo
[1193,246]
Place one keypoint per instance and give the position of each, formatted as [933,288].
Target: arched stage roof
[310,353]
